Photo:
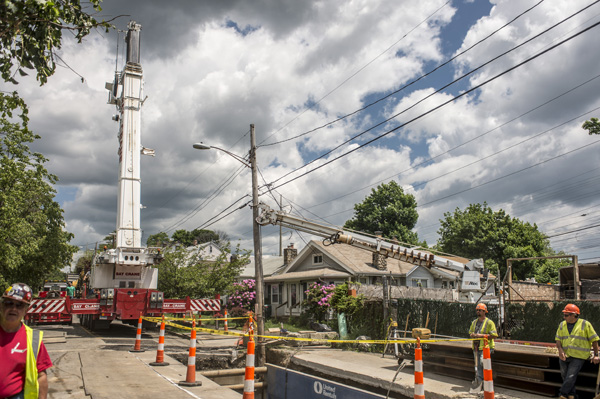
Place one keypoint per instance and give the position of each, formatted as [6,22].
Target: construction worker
[574,338]
[24,356]
[480,327]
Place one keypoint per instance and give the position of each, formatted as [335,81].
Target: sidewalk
[372,370]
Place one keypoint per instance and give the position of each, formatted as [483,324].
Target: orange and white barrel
[190,376]
[488,380]
[137,347]
[160,351]
[419,387]
[249,374]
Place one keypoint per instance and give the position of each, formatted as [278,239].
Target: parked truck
[122,284]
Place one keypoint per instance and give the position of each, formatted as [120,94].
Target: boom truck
[469,274]
[123,280]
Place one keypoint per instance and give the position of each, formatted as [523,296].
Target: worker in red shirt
[24,356]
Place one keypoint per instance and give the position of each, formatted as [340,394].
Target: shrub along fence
[527,321]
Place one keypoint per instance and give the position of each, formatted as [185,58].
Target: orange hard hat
[570,308]
[481,306]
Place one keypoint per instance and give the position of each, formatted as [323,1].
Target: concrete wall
[376,292]
[534,291]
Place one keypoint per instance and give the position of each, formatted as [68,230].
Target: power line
[432,109]
[408,84]
[353,75]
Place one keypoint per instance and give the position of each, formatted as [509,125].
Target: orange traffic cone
[160,352]
[225,323]
[190,376]
[488,381]
[138,337]
[249,375]
[419,387]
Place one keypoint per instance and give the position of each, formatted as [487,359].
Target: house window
[363,280]
[419,282]
[304,288]
[275,293]
[318,259]
[293,296]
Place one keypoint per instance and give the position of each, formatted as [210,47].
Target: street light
[260,298]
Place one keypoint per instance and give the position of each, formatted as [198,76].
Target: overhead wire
[431,110]
[353,75]
[408,84]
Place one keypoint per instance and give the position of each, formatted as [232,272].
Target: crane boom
[470,271]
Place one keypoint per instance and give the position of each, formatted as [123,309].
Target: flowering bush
[244,295]
[318,300]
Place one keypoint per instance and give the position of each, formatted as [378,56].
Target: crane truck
[123,280]
[470,273]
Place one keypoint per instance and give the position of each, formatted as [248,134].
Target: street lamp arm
[202,146]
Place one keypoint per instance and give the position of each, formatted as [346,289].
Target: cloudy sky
[509,132]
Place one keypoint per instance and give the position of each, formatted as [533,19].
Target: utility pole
[280,236]
[260,299]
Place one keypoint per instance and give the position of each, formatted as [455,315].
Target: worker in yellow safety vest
[480,327]
[574,338]
[24,356]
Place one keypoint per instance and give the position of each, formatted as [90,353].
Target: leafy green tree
[32,32]
[389,210]
[33,242]
[187,238]
[592,126]
[158,240]
[84,263]
[185,274]
[479,232]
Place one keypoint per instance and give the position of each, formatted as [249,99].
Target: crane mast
[128,264]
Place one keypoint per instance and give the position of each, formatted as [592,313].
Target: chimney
[289,254]
[379,260]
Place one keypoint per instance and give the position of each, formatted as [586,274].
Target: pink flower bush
[244,295]
[318,300]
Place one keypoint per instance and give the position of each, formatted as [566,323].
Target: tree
[389,210]
[33,242]
[185,274]
[187,238]
[592,126]
[479,232]
[158,240]
[84,263]
[31,32]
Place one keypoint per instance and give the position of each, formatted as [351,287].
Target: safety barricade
[249,375]
[488,381]
[160,351]
[190,376]
[419,387]
[137,347]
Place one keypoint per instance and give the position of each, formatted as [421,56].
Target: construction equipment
[123,281]
[470,273]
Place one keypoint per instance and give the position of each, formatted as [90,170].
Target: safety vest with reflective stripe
[34,342]
[578,343]
[488,328]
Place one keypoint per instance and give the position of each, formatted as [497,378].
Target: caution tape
[206,319]
[302,339]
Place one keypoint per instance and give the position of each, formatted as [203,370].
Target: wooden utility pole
[260,299]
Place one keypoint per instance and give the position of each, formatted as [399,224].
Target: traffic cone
[488,381]
[160,352]
[190,376]
[419,387]
[138,337]
[249,375]
[225,323]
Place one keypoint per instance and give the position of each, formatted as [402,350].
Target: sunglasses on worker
[18,305]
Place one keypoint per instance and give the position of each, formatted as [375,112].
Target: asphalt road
[99,365]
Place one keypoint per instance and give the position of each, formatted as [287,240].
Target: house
[337,264]
[207,251]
